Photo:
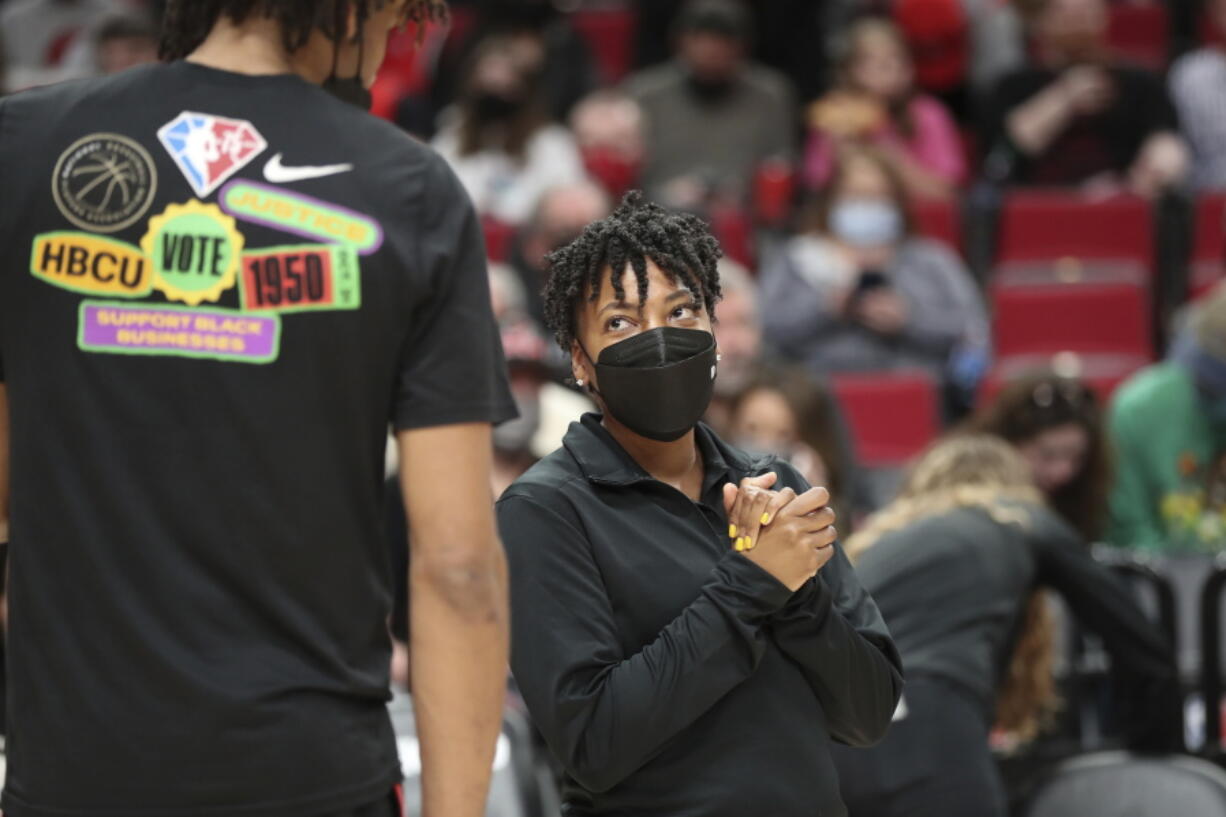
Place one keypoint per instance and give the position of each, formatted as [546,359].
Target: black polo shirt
[669,674]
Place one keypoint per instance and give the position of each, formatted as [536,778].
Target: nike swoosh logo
[278,173]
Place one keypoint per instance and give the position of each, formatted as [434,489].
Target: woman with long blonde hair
[957,564]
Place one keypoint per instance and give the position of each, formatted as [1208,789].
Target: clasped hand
[789,535]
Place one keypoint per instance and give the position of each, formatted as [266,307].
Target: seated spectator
[609,129]
[955,564]
[499,140]
[786,412]
[1055,423]
[858,291]
[1079,117]
[712,116]
[124,42]
[876,103]
[542,35]
[1196,81]
[1168,425]
[558,219]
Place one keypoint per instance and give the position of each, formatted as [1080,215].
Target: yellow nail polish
[732,531]
[766,518]
[740,545]
[748,543]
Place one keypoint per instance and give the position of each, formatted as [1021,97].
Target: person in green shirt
[1168,425]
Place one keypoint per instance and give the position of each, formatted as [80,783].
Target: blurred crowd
[815,137]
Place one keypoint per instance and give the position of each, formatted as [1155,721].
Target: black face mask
[491,106]
[349,89]
[658,383]
[710,91]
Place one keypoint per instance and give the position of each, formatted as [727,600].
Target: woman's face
[1056,455]
[609,320]
[764,422]
[881,68]
[863,213]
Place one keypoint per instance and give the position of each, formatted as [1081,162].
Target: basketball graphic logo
[104,182]
[210,149]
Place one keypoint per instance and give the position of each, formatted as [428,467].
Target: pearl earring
[579,382]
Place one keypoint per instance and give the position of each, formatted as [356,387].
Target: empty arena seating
[1206,265]
[1045,225]
[1140,33]
[893,416]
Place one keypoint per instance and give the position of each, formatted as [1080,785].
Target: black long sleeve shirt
[952,588]
[669,674]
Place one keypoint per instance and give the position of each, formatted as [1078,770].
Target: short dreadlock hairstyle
[188,22]
[680,244]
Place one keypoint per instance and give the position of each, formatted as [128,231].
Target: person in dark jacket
[954,563]
[689,642]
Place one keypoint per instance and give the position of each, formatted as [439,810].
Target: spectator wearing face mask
[1168,424]
[558,218]
[712,116]
[858,292]
[1077,115]
[499,139]
[610,131]
[1196,82]
[876,103]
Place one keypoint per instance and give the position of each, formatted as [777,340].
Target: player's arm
[458,613]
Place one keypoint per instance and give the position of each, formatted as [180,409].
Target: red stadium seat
[892,416]
[1101,372]
[1043,225]
[734,230]
[610,35]
[1088,317]
[498,238]
[1208,261]
[939,220]
[1140,33]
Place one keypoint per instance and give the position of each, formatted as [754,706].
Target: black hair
[680,244]
[188,22]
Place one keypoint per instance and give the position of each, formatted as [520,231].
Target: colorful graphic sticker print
[301,215]
[176,331]
[91,264]
[104,182]
[195,250]
[210,149]
[294,279]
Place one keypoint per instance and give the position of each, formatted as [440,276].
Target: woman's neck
[677,463]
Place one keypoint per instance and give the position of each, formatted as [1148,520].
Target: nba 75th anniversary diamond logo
[104,182]
[210,149]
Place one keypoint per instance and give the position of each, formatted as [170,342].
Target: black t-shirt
[217,291]
[1105,141]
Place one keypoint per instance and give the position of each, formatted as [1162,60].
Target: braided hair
[680,244]
[188,22]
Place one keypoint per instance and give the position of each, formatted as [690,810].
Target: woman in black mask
[498,138]
[688,641]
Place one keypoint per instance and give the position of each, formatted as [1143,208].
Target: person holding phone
[858,291]
[686,633]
